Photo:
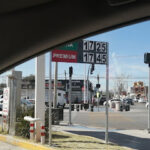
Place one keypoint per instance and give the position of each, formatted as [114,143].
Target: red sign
[64,56]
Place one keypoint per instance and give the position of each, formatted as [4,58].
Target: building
[139,90]
[28,89]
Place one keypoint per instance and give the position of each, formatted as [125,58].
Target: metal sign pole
[84,83]
[70,89]
[50,98]
[107,96]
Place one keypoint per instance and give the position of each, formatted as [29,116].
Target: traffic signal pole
[147,61]
[70,91]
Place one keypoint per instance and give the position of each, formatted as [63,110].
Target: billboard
[82,51]
[6,98]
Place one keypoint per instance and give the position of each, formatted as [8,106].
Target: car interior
[31,27]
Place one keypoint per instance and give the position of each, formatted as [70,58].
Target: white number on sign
[85,45]
[91,57]
[101,58]
[88,45]
[85,57]
[91,45]
[88,57]
[101,47]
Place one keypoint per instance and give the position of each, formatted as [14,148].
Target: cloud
[137,68]
[114,67]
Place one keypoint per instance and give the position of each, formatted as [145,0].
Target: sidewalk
[133,139]
[27,144]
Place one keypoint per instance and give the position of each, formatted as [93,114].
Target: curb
[24,144]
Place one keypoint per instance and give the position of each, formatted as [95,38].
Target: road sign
[85,51]
[82,51]
[6,97]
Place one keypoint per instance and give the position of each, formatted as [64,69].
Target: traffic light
[70,71]
[98,86]
[147,58]
[92,68]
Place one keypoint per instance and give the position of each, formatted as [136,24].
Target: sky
[127,46]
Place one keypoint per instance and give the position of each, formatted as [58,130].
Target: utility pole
[107,96]
[40,96]
[70,91]
[50,99]
[65,82]
[55,86]
[15,95]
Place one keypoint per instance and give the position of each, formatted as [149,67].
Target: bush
[23,127]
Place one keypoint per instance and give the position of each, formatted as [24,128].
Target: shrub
[23,127]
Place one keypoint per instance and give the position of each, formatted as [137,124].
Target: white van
[61,97]
[61,100]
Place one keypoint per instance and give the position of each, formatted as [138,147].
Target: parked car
[1,109]
[135,100]
[27,103]
[61,98]
[147,105]
[1,99]
[102,100]
[128,101]
[111,100]
[32,101]
[141,100]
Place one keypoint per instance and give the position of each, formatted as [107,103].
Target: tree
[30,78]
[121,85]
[2,85]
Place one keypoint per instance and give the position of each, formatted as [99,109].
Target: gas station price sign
[82,51]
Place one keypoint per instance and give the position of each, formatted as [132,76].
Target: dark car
[1,108]
[128,101]
[102,100]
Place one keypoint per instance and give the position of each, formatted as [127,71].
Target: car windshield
[77,79]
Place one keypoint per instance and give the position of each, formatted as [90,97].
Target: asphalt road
[133,142]
[136,118]
[121,124]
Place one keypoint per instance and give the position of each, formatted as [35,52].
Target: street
[125,128]
[136,118]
